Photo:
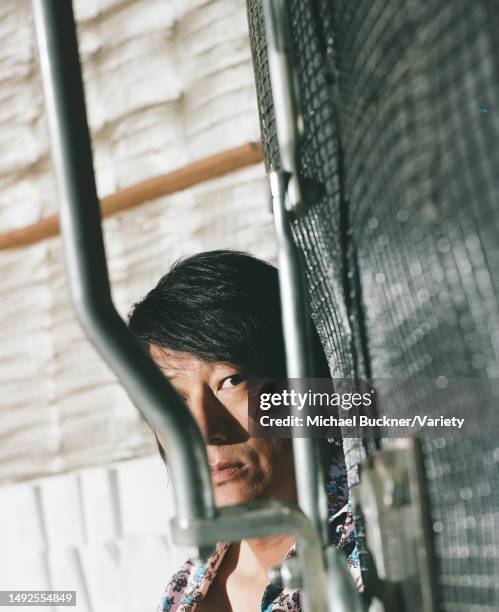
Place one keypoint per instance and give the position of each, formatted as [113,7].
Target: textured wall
[167,82]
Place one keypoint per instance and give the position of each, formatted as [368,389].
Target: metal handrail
[86,263]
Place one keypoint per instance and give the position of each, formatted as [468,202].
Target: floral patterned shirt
[189,585]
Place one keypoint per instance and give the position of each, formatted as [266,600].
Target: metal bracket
[390,496]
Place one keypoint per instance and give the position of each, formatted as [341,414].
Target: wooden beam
[193,174]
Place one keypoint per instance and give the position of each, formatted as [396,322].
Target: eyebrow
[172,372]
[171,376]
[169,372]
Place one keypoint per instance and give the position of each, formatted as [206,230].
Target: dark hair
[220,306]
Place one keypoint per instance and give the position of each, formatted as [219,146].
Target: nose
[211,415]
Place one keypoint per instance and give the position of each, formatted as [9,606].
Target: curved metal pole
[261,519]
[86,266]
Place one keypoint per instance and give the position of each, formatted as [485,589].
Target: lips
[222,472]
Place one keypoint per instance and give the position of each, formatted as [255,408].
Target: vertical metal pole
[343,596]
[287,199]
[288,203]
[87,270]
[309,465]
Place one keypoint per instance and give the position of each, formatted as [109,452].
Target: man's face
[242,468]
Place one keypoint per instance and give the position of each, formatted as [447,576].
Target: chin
[232,496]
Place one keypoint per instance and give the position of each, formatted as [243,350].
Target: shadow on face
[243,468]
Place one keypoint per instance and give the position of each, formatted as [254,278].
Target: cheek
[274,456]
[237,405]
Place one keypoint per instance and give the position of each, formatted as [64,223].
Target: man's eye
[232,381]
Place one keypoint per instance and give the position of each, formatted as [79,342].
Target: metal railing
[197,521]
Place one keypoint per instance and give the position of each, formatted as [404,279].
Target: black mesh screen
[401,109]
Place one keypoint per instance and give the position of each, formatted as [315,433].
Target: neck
[270,550]
[258,555]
